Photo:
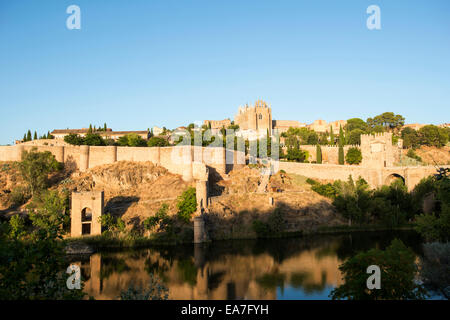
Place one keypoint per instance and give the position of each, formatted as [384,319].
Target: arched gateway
[87,208]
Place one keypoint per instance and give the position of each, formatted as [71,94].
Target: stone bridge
[376,177]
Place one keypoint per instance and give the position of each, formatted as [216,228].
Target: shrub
[160,216]
[295,154]
[19,196]
[187,204]
[353,156]
[412,154]
[157,142]
[112,225]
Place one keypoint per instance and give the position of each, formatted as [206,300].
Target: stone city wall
[178,159]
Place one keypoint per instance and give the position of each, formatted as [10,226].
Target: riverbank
[129,242]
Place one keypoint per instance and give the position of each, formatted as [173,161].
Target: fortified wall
[187,161]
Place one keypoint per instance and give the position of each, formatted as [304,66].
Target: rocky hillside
[133,190]
[433,155]
[231,215]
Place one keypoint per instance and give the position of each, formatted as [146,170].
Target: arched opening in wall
[86,220]
[393,178]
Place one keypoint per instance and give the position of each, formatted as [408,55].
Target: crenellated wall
[178,159]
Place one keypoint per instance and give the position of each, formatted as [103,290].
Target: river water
[294,268]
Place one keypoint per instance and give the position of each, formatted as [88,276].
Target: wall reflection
[229,270]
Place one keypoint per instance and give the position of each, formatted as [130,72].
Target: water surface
[295,268]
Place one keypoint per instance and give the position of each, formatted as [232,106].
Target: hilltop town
[252,164]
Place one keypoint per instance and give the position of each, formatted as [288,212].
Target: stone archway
[86,221]
[87,208]
[394,177]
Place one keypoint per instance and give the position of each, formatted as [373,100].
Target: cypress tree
[331,136]
[105,126]
[341,158]
[90,128]
[341,154]
[35,136]
[24,137]
[318,154]
[29,135]
[341,136]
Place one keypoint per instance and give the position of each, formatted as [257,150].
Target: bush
[159,217]
[19,196]
[112,225]
[157,142]
[411,154]
[187,204]
[353,156]
[295,154]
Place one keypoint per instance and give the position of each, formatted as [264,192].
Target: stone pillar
[84,158]
[199,230]
[111,154]
[201,191]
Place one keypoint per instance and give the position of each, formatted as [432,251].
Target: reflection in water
[300,268]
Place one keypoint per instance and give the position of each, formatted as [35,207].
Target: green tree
[90,129]
[33,262]
[332,136]
[354,136]
[35,136]
[318,154]
[398,270]
[410,138]
[432,135]
[35,168]
[436,226]
[29,135]
[295,154]
[354,156]
[313,138]
[74,139]
[94,139]
[132,140]
[388,120]
[356,123]
[157,142]
[341,155]
[187,204]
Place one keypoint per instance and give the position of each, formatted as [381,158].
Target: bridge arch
[393,177]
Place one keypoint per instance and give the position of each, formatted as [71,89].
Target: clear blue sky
[139,63]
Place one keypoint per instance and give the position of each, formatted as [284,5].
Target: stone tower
[378,151]
[257,118]
[87,208]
